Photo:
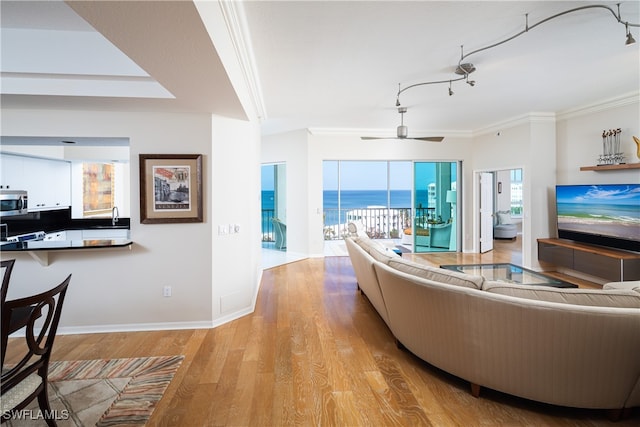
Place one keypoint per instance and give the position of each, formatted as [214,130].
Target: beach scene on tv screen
[607,210]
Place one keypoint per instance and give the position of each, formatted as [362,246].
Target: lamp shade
[451,197]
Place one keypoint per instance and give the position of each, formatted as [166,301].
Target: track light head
[630,39]
[470,82]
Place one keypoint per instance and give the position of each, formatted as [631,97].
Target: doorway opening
[499,200]
[274,206]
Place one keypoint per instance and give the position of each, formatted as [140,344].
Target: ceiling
[332,65]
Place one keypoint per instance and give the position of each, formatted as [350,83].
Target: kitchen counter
[52,245]
[70,240]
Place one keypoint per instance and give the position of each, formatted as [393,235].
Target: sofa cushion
[367,243]
[633,285]
[504,218]
[376,249]
[382,254]
[621,298]
[437,274]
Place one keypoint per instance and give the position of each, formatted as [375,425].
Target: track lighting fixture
[463,69]
[630,39]
[470,82]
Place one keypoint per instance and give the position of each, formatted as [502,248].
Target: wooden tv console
[610,264]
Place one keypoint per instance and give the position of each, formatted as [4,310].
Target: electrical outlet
[166,291]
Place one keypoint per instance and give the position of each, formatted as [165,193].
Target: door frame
[476,207]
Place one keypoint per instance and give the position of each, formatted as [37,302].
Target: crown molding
[539,117]
[533,117]
[608,104]
[236,22]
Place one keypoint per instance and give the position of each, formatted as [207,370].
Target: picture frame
[170,188]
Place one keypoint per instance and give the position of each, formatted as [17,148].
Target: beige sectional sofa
[569,347]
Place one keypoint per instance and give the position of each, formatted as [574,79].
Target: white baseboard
[133,327]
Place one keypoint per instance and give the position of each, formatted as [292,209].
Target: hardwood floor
[315,352]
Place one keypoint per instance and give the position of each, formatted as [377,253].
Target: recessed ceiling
[57,141]
[337,65]
[145,56]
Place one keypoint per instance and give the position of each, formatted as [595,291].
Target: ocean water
[604,212]
[353,199]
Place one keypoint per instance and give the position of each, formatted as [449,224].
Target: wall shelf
[611,167]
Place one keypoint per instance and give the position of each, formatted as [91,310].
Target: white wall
[235,200]
[503,199]
[121,289]
[580,141]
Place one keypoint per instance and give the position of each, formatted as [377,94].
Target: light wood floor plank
[315,352]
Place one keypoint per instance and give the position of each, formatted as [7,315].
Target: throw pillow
[504,218]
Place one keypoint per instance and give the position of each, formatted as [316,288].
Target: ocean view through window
[390,198]
[376,193]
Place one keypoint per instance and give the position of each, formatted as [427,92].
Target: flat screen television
[600,214]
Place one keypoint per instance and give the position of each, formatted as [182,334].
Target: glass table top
[509,273]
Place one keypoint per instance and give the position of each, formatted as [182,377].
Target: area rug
[105,392]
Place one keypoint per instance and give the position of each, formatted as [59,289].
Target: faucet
[114,215]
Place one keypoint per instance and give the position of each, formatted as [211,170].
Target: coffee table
[510,273]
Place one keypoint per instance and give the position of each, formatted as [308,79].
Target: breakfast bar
[39,249]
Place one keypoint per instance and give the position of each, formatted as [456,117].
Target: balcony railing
[268,233]
[379,223]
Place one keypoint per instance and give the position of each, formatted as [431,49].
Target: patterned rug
[106,392]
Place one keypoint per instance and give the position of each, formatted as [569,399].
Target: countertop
[52,245]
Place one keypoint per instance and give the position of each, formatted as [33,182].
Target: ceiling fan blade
[377,137]
[429,138]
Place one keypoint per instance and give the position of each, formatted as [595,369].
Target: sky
[367,175]
[361,175]
[623,194]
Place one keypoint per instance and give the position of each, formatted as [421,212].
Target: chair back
[7,267]
[38,316]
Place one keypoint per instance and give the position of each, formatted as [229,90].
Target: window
[376,193]
[97,189]
[516,192]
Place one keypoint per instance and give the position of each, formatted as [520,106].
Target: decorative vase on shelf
[637,141]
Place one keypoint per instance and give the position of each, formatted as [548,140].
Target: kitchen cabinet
[11,172]
[47,182]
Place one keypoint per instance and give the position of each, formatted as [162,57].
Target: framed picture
[170,188]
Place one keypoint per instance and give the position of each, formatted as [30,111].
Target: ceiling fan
[403,131]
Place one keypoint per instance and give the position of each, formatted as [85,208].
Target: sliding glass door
[410,204]
[274,204]
[376,194]
[435,207]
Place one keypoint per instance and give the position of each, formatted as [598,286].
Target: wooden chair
[38,316]
[281,233]
[7,267]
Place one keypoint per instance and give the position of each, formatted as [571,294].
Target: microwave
[13,202]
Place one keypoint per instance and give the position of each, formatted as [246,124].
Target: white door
[486,212]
